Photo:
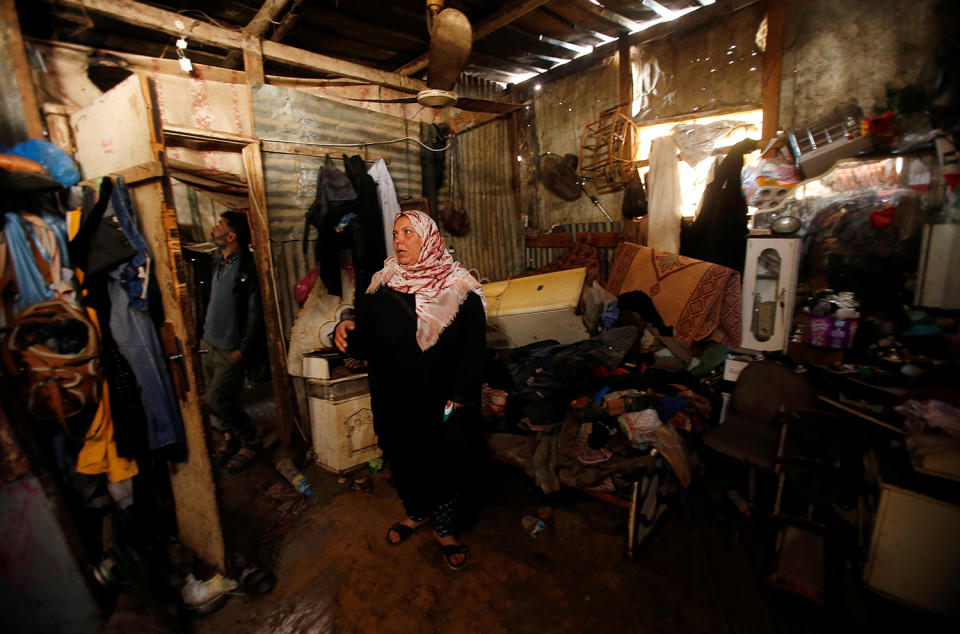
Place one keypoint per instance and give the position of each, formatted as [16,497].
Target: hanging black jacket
[368,248]
[719,233]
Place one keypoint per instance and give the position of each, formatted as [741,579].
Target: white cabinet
[769,291]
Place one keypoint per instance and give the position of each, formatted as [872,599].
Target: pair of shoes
[449,550]
[224,451]
[243,458]
[403,531]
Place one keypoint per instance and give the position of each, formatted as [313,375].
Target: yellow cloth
[99,453]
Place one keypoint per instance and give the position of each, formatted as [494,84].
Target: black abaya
[430,459]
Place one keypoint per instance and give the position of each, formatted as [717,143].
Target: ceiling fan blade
[397,100]
[485,105]
[450,42]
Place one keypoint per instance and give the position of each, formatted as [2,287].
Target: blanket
[699,299]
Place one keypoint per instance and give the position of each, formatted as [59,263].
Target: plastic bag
[58,163]
[766,182]
[301,290]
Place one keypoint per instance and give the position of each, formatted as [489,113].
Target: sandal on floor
[403,531]
[224,452]
[242,459]
[449,550]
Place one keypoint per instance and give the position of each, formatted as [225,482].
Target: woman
[422,326]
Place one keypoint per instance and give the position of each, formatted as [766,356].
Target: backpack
[52,350]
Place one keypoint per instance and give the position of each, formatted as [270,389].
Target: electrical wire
[365,143]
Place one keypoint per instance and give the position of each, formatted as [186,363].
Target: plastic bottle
[297,479]
[534,526]
[847,306]
[196,593]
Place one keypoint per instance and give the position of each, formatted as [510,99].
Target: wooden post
[21,68]
[252,60]
[273,318]
[772,68]
[513,140]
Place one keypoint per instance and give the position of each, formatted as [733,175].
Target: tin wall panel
[536,257]
[494,245]
[286,114]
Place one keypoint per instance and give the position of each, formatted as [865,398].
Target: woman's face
[406,242]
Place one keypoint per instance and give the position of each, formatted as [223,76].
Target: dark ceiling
[382,34]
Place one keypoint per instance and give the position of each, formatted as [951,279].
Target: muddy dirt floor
[335,571]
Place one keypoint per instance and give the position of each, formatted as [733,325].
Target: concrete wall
[836,51]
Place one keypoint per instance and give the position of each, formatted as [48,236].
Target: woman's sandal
[243,459]
[403,531]
[450,550]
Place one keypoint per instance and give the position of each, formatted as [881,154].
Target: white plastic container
[341,422]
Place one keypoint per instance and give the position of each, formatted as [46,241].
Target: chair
[751,431]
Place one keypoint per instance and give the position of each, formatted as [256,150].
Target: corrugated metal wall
[494,246]
[535,257]
[286,114]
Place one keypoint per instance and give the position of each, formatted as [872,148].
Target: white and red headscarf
[440,284]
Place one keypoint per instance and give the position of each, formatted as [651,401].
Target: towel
[699,299]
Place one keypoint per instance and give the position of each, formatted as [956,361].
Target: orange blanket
[699,299]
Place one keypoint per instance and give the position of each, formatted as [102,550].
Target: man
[233,335]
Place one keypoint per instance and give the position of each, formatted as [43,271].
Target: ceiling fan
[559,175]
[451,38]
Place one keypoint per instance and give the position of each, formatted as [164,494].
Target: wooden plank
[287,412]
[114,132]
[305,149]
[21,68]
[503,17]
[252,58]
[187,132]
[135,174]
[627,25]
[603,239]
[721,8]
[148,17]
[772,68]
[513,141]
[625,82]
[58,127]
[117,126]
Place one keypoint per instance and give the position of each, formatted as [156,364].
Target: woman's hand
[340,334]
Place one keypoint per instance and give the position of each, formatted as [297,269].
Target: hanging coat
[368,250]
[719,233]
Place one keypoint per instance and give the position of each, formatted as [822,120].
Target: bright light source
[537,87]
[519,159]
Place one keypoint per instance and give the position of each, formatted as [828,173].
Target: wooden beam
[513,140]
[305,149]
[603,239]
[257,26]
[21,69]
[503,17]
[720,9]
[625,85]
[252,58]
[287,412]
[135,174]
[772,68]
[186,132]
[607,14]
[149,17]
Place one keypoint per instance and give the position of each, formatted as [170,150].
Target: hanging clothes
[368,251]
[94,246]
[432,160]
[719,233]
[335,197]
[389,205]
[664,202]
[134,332]
[99,451]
